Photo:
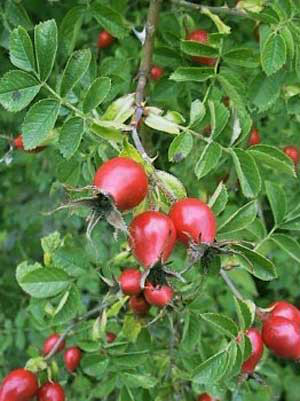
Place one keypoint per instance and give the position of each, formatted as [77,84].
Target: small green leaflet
[45,41]
[240,219]
[222,323]
[246,312]
[21,50]
[196,74]
[273,157]
[96,93]
[273,54]
[219,199]
[180,147]
[208,160]
[277,201]
[288,244]
[70,136]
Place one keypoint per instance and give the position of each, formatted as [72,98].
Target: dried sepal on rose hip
[19,385]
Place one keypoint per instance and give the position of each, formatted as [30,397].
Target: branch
[230,284]
[216,10]
[71,326]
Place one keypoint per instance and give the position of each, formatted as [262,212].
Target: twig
[216,10]
[230,284]
[71,326]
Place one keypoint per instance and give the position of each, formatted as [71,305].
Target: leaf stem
[266,238]
[216,10]
[230,285]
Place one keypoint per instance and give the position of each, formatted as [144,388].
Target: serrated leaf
[246,312]
[21,50]
[72,260]
[96,93]
[138,381]
[161,123]
[76,67]
[121,109]
[173,184]
[219,117]
[70,136]
[94,365]
[193,48]
[242,57]
[247,172]
[45,283]
[197,112]
[219,199]
[288,244]
[24,268]
[211,370]
[222,28]
[112,135]
[116,307]
[240,219]
[17,15]
[180,147]
[193,74]
[45,41]
[51,242]
[131,328]
[255,263]
[70,309]
[277,201]
[264,91]
[69,29]
[110,20]
[273,157]
[209,159]
[222,323]
[39,120]
[17,90]
[273,54]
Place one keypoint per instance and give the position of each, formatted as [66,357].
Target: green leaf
[70,136]
[273,54]
[277,201]
[193,48]
[24,268]
[17,90]
[219,117]
[110,20]
[39,120]
[45,282]
[247,172]
[110,134]
[70,309]
[138,381]
[116,307]
[222,323]
[264,91]
[172,183]
[17,15]
[161,123]
[131,328]
[72,260]
[76,67]
[180,147]
[240,219]
[196,74]
[211,370]
[197,112]
[222,28]
[21,50]
[45,40]
[69,29]
[51,242]
[241,57]
[96,93]
[219,199]
[246,312]
[255,263]
[121,109]
[209,159]
[288,244]
[94,365]
[274,158]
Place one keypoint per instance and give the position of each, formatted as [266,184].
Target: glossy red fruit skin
[19,385]
[282,336]
[105,40]
[159,296]
[50,342]
[205,397]
[110,337]
[286,310]
[257,350]
[156,73]
[152,238]
[18,143]
[254,138]
[201,36]
[139,305]
[124,180]
[130,282]
[51,392]
[72,357]
[193,220]
[292,153]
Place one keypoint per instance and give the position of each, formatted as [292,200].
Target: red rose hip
[194,221]
[19,385]
[50,342]
[205,397]
[159,296]
[51,392]
[152,238]
[286,310]
[257,350]
[139,305]
[156,73]
[254,138]
[292,153]
[130,280]
[110,337]
[124,180]
[105,39]
[282,336]
[72,358]
[201,36]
